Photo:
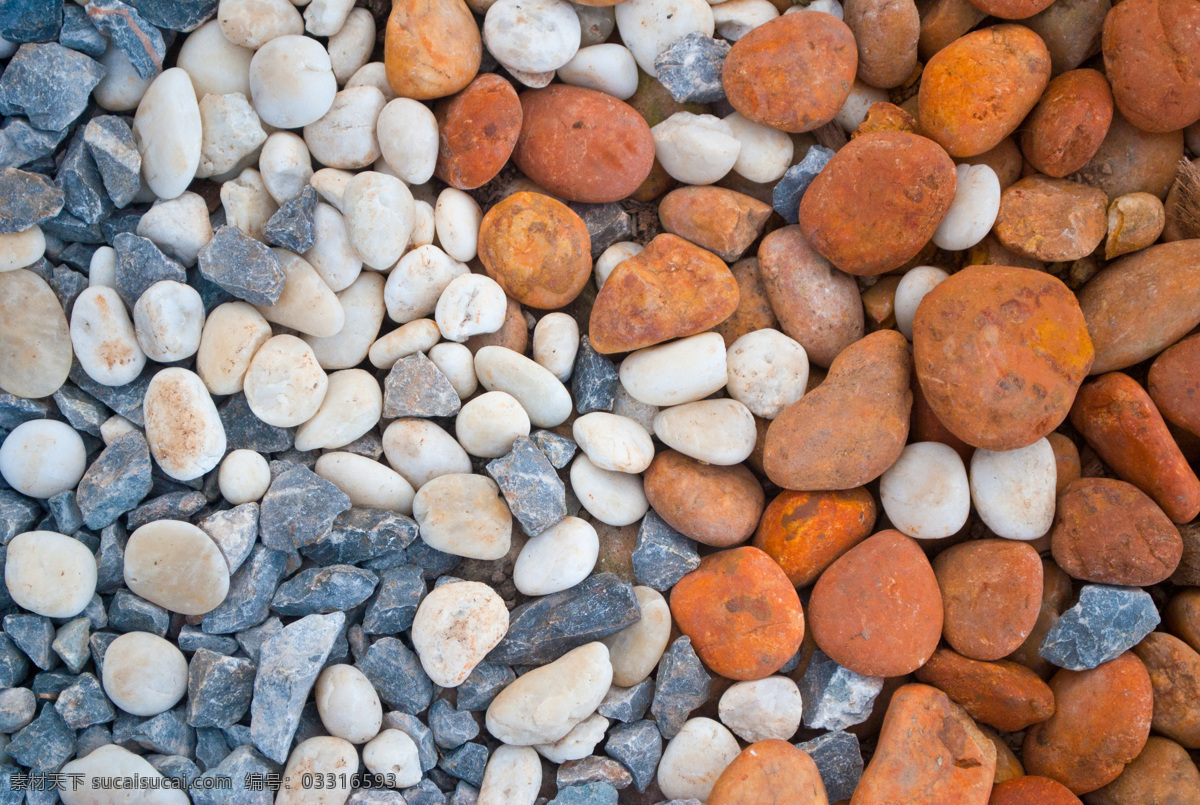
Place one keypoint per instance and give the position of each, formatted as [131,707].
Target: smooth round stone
[104,339]
[712,504]
[42,458]
[911,290]
[344,137]
[232,334]
[332,256]
[973,211]
[379,217]
[326,17]
[432,49]
[613,442]
[348,704]
[177,566]
[455,627]
[253,23]
[35,342]
[925,493]
[488,425]
[352,406]
[21,249]
[805,532]
[109,762]
[179,226]
[144,674]
[463,515]
[720,432]
[215,65]
[471,304]
[408,339]
[1068,125]
[285,385]
[612,257]
[368,484]
[546,703]
[765,153]
[456,218]
[613,498]
[1051,219]
[540,393]
[1014,490]
[114,427]
[307,304]
[695,758]
[417,282]
[678,372]
[558,558]
[362,304]
[393,752]
[420,451]
[102,270]
[608,68]
[408,138]
[457,363]
[183,427]
[648,27]
[556,343]
[513,776]
[323,758]
[244,477]
[50,574]
[292,82]
[479,128]
[635,650]
[285,165]
[767,372]
[232,133]
[533,36]
[577,744]
[695,149]
[122,88]
[350,48]
[763,709]
[168,133]
[1150,57]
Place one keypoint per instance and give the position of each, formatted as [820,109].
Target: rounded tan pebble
[1163,772]
[1152,58]
[613,442]
[558,558]
[167,130]
[540,393]
[183,428]
[233,332]
[379,216]
[291,81]
[635,650]
[144,675]
[177,566]
[323,758]
[352,406]
[1051,219]
[104,339]
[464,515]
[368,483]
[285,385]
[886,32]
[350,48]
[364,310]
[168,320]
[546,703]
[216,65]
[252,23]
[718,432]
[763,709]
[21,249]
[471,304]
[35,342]
[613,498]
[1132,160]
[307,304]
[457,363]
[694,759]
[244,477]
[455,627]
[393,752]
[344,137]
[488,425]
[420,451]
[1135,221]
[348,704]
[109,761]
[50,574]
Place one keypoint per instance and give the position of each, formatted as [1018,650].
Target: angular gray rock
[785,198]
[416,387]
[680,686]
[83,188]
[627,704]
[559,449]
[451,727]
[132,33]
[637,746]
[140,264]
[1106,622]
[535,494]
[251,588]
[234,530]
[45,745]
[111,143]
[291,227]
[49,84]
[298,509]
[219,689]
[116,482]
[662,555]
[484,684]
[242,266]
[839,761]
[84,704]
[397,675]
[690,68]
[361,535]
[593,769]
[835,697]
[26,199]
[391,611]
[594,379]
[320,590]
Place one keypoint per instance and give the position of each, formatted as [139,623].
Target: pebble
[183,429]
[291,81]
[765,709]
[1014,490]
[695,149]
[116,481]
[463,515]
[636,650]
[613,498]
[533,37]
[107,761]
[351,407]
[144,674]
[219,689]
[420,451]
[578,743]
[42,458]
[455,627]
[718,432]
[678,372]
[470,304]
[103,337]
[839,762]
[22,249]
[319,757]
[167,128]
[232,334]
[695,758]
[34,361]
[344,137]
[348,705]
[713,504]
[835,697]
[49,574]
[534,493]
[49,84]
[690,68]
[111,144]
[350,47]
[992,624]
[393,752]
[177,566]
[216,65]
[608,68]
[242,266]
[284,385]
[456,221]
[649,27]
[663,555]
[1003,694]
[433,50]
[1105,622]
[925,493]
[548,702]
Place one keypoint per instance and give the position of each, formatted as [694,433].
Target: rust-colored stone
[1071,31]
[478,129]
[769,772]
[1162,774]
[942,22]
[1032,790]
[879,303]
[806,531]
[884,116]
[1182,616]
[1006,695]
[1011,9]
[720,220]
[1132,160]
[886,33]
[1174,384]
[1056,595]
[1066,461]
[1174,670]
[715,505]
[754,308]
[926,427]
[1007,161]
[670,290]
[1152,57]
[1134,222]
[1052,219]
[741,612]
[877,609]
[431,49]
[1066,128]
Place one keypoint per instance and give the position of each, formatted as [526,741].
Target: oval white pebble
[285,165]
[767,372]
[464,515]
[555,344]
[253,23]
[177,566]
[232,334]
[912,289]
[168,133]
[183,427]
[607,68]
[110,762]
[513,776]
[215,65]
[333,760]
[103,337]
[973,211]
[407,339]
[344,137]
[763,709]
[393,752]
[291,81]
[347,703]
[695,758]
[408,138]
[244,477]
[332,256]
[766,152]
[285,385]
[678,372]
[368,484]
[925,493]
[541,394]
[50,574]
[613,442]
[350,48]
[578,743]
[21,249]
[457,363]
[307,304]
[546,703]
[417,282]
[558,558]
[144,674]
[532,36]
[613,498]
[362,307]
[471,304]
[352,406]
[636,650]
[612,257]
[488,425]
[1014,490]
[455,627]
[420,451]
[42,458]
[168,321]
[379,217]
[456,219]
[720,432]
[695,149]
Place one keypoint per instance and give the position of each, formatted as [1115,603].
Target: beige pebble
[285,385]
[457,218]
[50,574]
[232,334]
[285,165]
[695,758]
[42,458]
[331,255]
[379,217]
[183,427]
[247,202]
[417,282]
[347,703]
[488,425]
[215,65]
[102,269]
[558,558]
[112,761]
[636,650]
[252,23]
[350,47]
[767,372]
[763,709]
[455,627]
[555,344]
[546,703]
[179,226]
[368,484]
[177,566]
[513,776]
[464,515]
[578,743]
[614,498]
[678,372]
[457,363]
[362,307]
[540,393]
[375,74]
[326,17]
[613,442]
[327,758]
[344,137]
[232,132]
[612,257]
[104,339]
[168,132]
[718,432]
[21,249]
[244,477]
[352,406]
[122,87]
[144,675]
[420,451]
[307,304]
[407,339]
[168,321]
[291,81]
[114,427]
[408,137]
[330,184]
[393,752]
[35,340]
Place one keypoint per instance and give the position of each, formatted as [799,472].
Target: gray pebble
[484,684]
[433,563]
[252,639]
[240,766]
[33,634]
[92,739]
[421,735]
[593,769]
[211,748]
[415,387]
[680,686]
[26,199]
[391,611]
[298,509]
[132,33]
[219,689]
[1106,622]
[45,745]
[110,559]
[171,506]
[835,697]
[588,794]
[242,266]
[451,728]
[690,68]
[140,264]
[84,704]
[17,514]
[466,763]
[49,84]
[291,227]
[71,643]
[78,33]
[424,793]
[30,20]
[65,511]
[662,555]
[791,188]
[22,144]
[627,704]
[98,644]
[638,746]
[125,400]
[397,675]
[536,496]
[464,794]
[176,15]
[175,767]
[594,379]
[839,761]
[250,590]
[15,410]
[321,590]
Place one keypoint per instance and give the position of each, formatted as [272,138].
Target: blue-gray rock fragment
[425,792]
[30,20]
[235,532]
[49,84]
[84,704]
[15,410]
[291,227]
[451,728]
[484,684]
[17,514]
[82,186]
[835,697]
[110,558]
[167,733]
[251,639]
[125,400]
[13,664]
[22,144]
[1105,623]
[627,704]
[606,224]
[638,747]
[415,387]
[26,199]
[662,555]
[33,634]
[219,689]
[45,745]
[132,33]
[839,762]
[176,15]
[680,686]
[171,506]
[116,482]
[67,285]
[248,601]
[391,611]
[110,142]
[193,638]
[67,228]
[360,535]
[397,675]
[587,794]
[17,706]
[421,735]
[466,763]
[535,494]
[244,766]
[65,511]
[381,796]
[211,748]
[140,264]
[83,411]
[298,509]
[433,563]
[129,613]
[242,266]
[71,643]
[791,188]
[78,33]
[558,449]
[594,380]
[690,68]
[179,769]
[245,431]
[321,590]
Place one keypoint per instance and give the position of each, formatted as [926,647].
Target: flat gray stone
[298,509]
[242,266]
[140,264]
[251,588]
[690,68]
[116,482]
[1106,622]
[662,555]
[321,590]
[535,494]
[49,84]
[415,387]
[680,686]
[839,762]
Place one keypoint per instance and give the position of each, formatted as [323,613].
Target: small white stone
[393,752]
[1014,490]
[761,710]
[307,304]
[488,425]
[368,484]
[353,404]
[596,23]
[326,17]
[291,81]
[168,132]
[350,48]
[379,217]
[244,477]
[375,74]
[695,149]
[407,339]
[457,217]
[103,337]
[541,394]
[513,776]
[348,704]
[253,23]
[695,758]
[925,493]
[232,334]
[555,343]
[471,304]
[285,385]
[417,282]
[636,650]
[546,703]
[767,372]
[464,515]
[177,566]
[678,372]
[362,307]
[648,27]
[21,249]
[42,458]
[179,226]
[144,674]
[420,451]
[612,257]
[578,743]
[408,137]
[973,211]
[110,762]
[613,498]
[613,442]
[168,321]
[232,132]
[114,427]
[333,760]
[102,270]
[285,165]
[736,18]
[424,225]
[344,137]
[607,68]
[912,289]
[183,427]
[456,625]
[720,432]
[50,574]
[766,152]
[122,87]
[247,202]
[215,65]
[330,184]
[830,7]
[854,111]
[558,558]
[532,36]
[457,363]
[332,256]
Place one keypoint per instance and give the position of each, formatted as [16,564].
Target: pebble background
[660,402]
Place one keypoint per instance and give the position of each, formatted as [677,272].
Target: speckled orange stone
[477,130]
[1052,219]
[431,48]
[741,612]
[670,290]
[852,427]
[877,610]
[1056,595]
[537,248]
[978,89]
[1162,774]
[929,751]
[1174,384]
[1066,128]
[1066,461]
[884,116]
[806,531]
[1152,56]
[715,505]
[1000,353]
[723,221]
[1032,790]
[1100,723]
[878,201]
[1005,695]
[582,145]
[754,308]
[792,73]
[1174,670]
[769,772]
[926,427]
[1120,422]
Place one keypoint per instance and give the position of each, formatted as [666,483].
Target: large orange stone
[741,612]
[849,429]
[1032,790]
[1000,353]
[1011,9]
[537,248]
[1120,422]
[1163,774]
[929,751]
[1174,384]
[926,427]
[1100,723]
[1052,219]
[1152,57]
[769,772]
[670,290]
[1068,125]
[583,145]
[806,531]
[723,221]
[431,48]
[712,504]
[877,609]
[1174,670]
[978,89]
[878,201]
[1007,696]
[478,129]
[792,73]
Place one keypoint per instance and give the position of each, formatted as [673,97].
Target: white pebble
[457,363]
[232,334]
[720,432]
[695,149]
[613,442]
[307,304]
[1014,490]
[578,743]
[215,65]
[331,255]
[344,137]
[648,27]
[285,165]
[232,133]
[407,339]
[973,211]
[21,249]
[424,225]
[330,184]
[456,218]
[333,760]
[736,18]
[102,270]
[183,427]
[108,762]
[177,566]
[471,304]
[353,404]
[379,217]
[247,202]
[420,451]
[393,752]
[925,493]
[464,515]
[50,574]
[408,137]
[291,81]
[103,337]
[555,343]
[244,477]
[830,7]
[179,226]
[558,558]
[350,47]
[541,394]
[42,458]
[488,425]
[912,289]
[375,74]
[417,282]
[677,372]
[362,307]
[456,625]
[761,710]
[253,23]
[168,321]
[368,484]
[612,257]
[168,132]
[122,87]
[348,704]
[326,17]
[546,703]
[115,426]
[144,674]
[854,111]
[613,498]
[766,152]
[767,372]
[285,385]
[636,650]
[607,68]
[513,776]
[531,36]
[695,758]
